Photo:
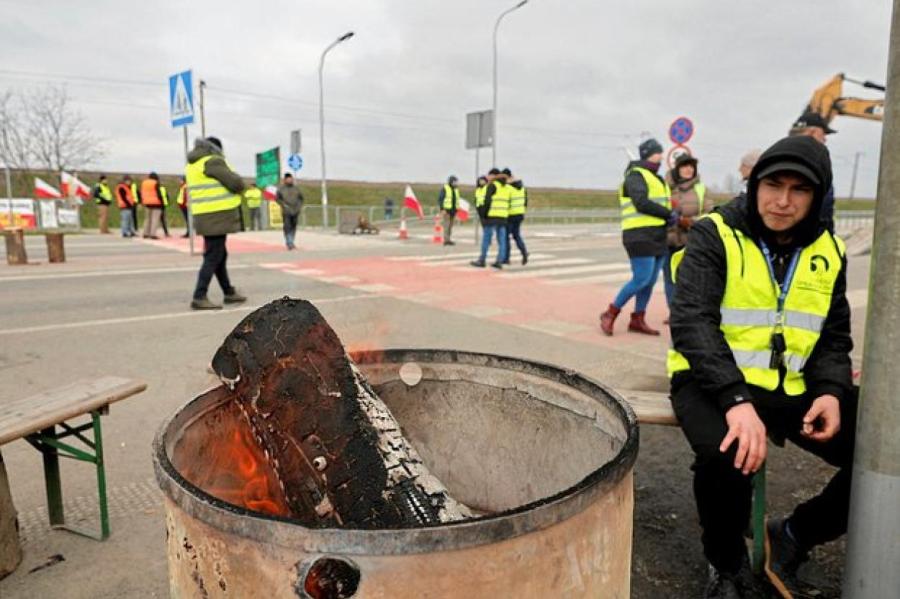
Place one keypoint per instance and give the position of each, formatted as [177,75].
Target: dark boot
[639,325]
[739,585]
[235,297]
[478,263]
[608,319]
[783,558]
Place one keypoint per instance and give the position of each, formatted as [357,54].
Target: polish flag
[45,191]
[72,186]
[270,192]
[410,201]
[463,209]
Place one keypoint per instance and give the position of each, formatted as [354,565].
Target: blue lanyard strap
[788,278]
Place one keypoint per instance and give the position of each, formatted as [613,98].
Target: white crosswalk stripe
[474,255]
[554,272]
[618,277]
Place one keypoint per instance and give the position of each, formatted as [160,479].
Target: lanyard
[788,279]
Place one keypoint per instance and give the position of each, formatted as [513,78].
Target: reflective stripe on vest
[700,190]
[499,201]
[451,198]
[516,201]
[254,197]
[749,308]
[208,194]
[480,194]
[657,192]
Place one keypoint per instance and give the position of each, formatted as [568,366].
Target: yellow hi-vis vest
[180,200]
[516,201]
[164,196]
[657,191]
[480,194]
[136,194]
[700,190]
[105,193]
[254,197]
[750,313]
[208,194]
[499,201]
[451,197]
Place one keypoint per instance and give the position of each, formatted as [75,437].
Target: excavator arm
[829,101]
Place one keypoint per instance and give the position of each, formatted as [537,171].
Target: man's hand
[823,420]
[685,222]
[748,430]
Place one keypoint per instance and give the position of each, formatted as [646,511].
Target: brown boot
[639,325]
[608,319]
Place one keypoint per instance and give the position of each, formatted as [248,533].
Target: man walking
[644,199]
[761,335]
[448,202]
[291,201]
[126,201]
[253,196]
[103,198]
[493,213]
[215,204]
[518,204]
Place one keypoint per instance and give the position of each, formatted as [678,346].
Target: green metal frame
[49,442]
[758,558]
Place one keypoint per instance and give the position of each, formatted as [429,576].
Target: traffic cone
[438,230]
[404,234]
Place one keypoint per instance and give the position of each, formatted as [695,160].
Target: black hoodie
[695,315]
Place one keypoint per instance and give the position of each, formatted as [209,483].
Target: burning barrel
[542,456]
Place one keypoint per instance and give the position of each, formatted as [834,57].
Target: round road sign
[681,130]
[673,154]
[295,161]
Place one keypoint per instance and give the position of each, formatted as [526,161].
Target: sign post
[268,167]
[295,141]
[479,134]
[181,113]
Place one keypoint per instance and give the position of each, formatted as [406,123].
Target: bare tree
[15,148]
[58,135]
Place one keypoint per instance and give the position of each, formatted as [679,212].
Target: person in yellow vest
[103,197]
[151,198]
[481,185]
[646,211]
[493,213]
[761,347]
[690,198]
[448,203]
[182,201]
[215,203]
[136,193]
[164,196]
[253,196]
[518,204]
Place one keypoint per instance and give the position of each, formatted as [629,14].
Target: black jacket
[644,241]
[695,313]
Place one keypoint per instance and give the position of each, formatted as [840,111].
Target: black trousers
[214,258]
[723,493]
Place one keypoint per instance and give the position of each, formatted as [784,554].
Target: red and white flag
[463,209]
[72,186]
[45,191]
[270,192]
[412,202]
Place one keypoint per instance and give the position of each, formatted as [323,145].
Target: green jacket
[217,223]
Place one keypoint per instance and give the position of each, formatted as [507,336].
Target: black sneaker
[234,297]
[784,556]
[204,304]
[524,258]
[742,584]
[497,265]
[478,263]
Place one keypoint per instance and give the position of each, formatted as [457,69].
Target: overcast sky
[578,79]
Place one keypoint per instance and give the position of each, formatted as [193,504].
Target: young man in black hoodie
[761,334]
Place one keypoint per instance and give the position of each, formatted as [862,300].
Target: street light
[343,38]
[496,27]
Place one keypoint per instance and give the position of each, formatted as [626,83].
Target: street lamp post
[343,38]
[202,110]
[496,27]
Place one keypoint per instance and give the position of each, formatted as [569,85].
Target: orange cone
[438,230]
[404,234]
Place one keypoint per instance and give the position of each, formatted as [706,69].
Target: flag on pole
[463,209]
[270,193]
[412,202]
[45,191]
[72,186]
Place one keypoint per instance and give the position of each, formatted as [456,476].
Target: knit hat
[648,148]
[216,142]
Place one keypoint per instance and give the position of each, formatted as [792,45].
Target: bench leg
[101,475]
[52,481]
[759,520]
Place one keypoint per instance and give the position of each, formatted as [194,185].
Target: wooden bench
[652,407]
[44,421]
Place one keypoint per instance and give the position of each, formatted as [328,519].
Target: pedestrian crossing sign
[181,99]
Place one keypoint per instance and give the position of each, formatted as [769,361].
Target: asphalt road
[121,307]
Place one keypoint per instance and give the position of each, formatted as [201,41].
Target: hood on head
[808,156]
[202,148]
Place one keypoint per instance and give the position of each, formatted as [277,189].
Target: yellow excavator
[828,101]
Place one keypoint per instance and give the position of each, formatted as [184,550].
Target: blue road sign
[681,130]
[295,161]
[181,99]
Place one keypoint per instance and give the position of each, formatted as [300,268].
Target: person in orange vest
[125,201]
[151,198]
[182,201]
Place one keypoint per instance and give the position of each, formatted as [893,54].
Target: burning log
[338,454]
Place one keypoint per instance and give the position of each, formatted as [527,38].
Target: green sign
[268,167]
